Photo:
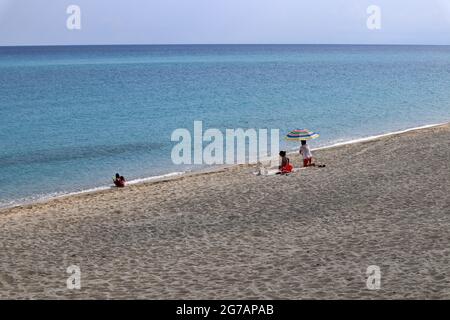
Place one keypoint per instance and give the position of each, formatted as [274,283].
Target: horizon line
[223,44]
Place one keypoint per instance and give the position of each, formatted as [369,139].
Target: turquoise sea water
[73,116]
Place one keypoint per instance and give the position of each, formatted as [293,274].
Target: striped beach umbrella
[301,134]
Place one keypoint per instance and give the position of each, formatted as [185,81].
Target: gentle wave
[374,137]
[343,142]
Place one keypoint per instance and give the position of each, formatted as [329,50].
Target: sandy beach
[232,234]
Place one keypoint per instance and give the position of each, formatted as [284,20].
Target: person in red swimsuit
[285,166]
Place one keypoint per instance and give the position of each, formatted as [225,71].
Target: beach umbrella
[301,134]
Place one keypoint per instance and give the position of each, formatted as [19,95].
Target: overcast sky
[43,22]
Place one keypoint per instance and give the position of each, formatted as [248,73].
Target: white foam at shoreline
[58,195]
[44,198]
[168,175]
[370,138]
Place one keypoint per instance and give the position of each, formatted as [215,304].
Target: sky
[43,22]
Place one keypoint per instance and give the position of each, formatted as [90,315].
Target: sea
[73,116]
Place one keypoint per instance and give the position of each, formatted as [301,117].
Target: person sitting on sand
[285,166]
[307,155]
[119,181]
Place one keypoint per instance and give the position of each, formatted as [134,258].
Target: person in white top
[307,155]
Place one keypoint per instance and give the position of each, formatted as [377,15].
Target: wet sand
[232,234]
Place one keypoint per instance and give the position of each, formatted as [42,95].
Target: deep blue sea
[71,117]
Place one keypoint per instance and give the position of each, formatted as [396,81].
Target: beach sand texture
[232,234]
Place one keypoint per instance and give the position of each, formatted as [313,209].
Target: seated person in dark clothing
[119,181]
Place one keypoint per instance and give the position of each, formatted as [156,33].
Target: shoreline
[215,168]
[231,234]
